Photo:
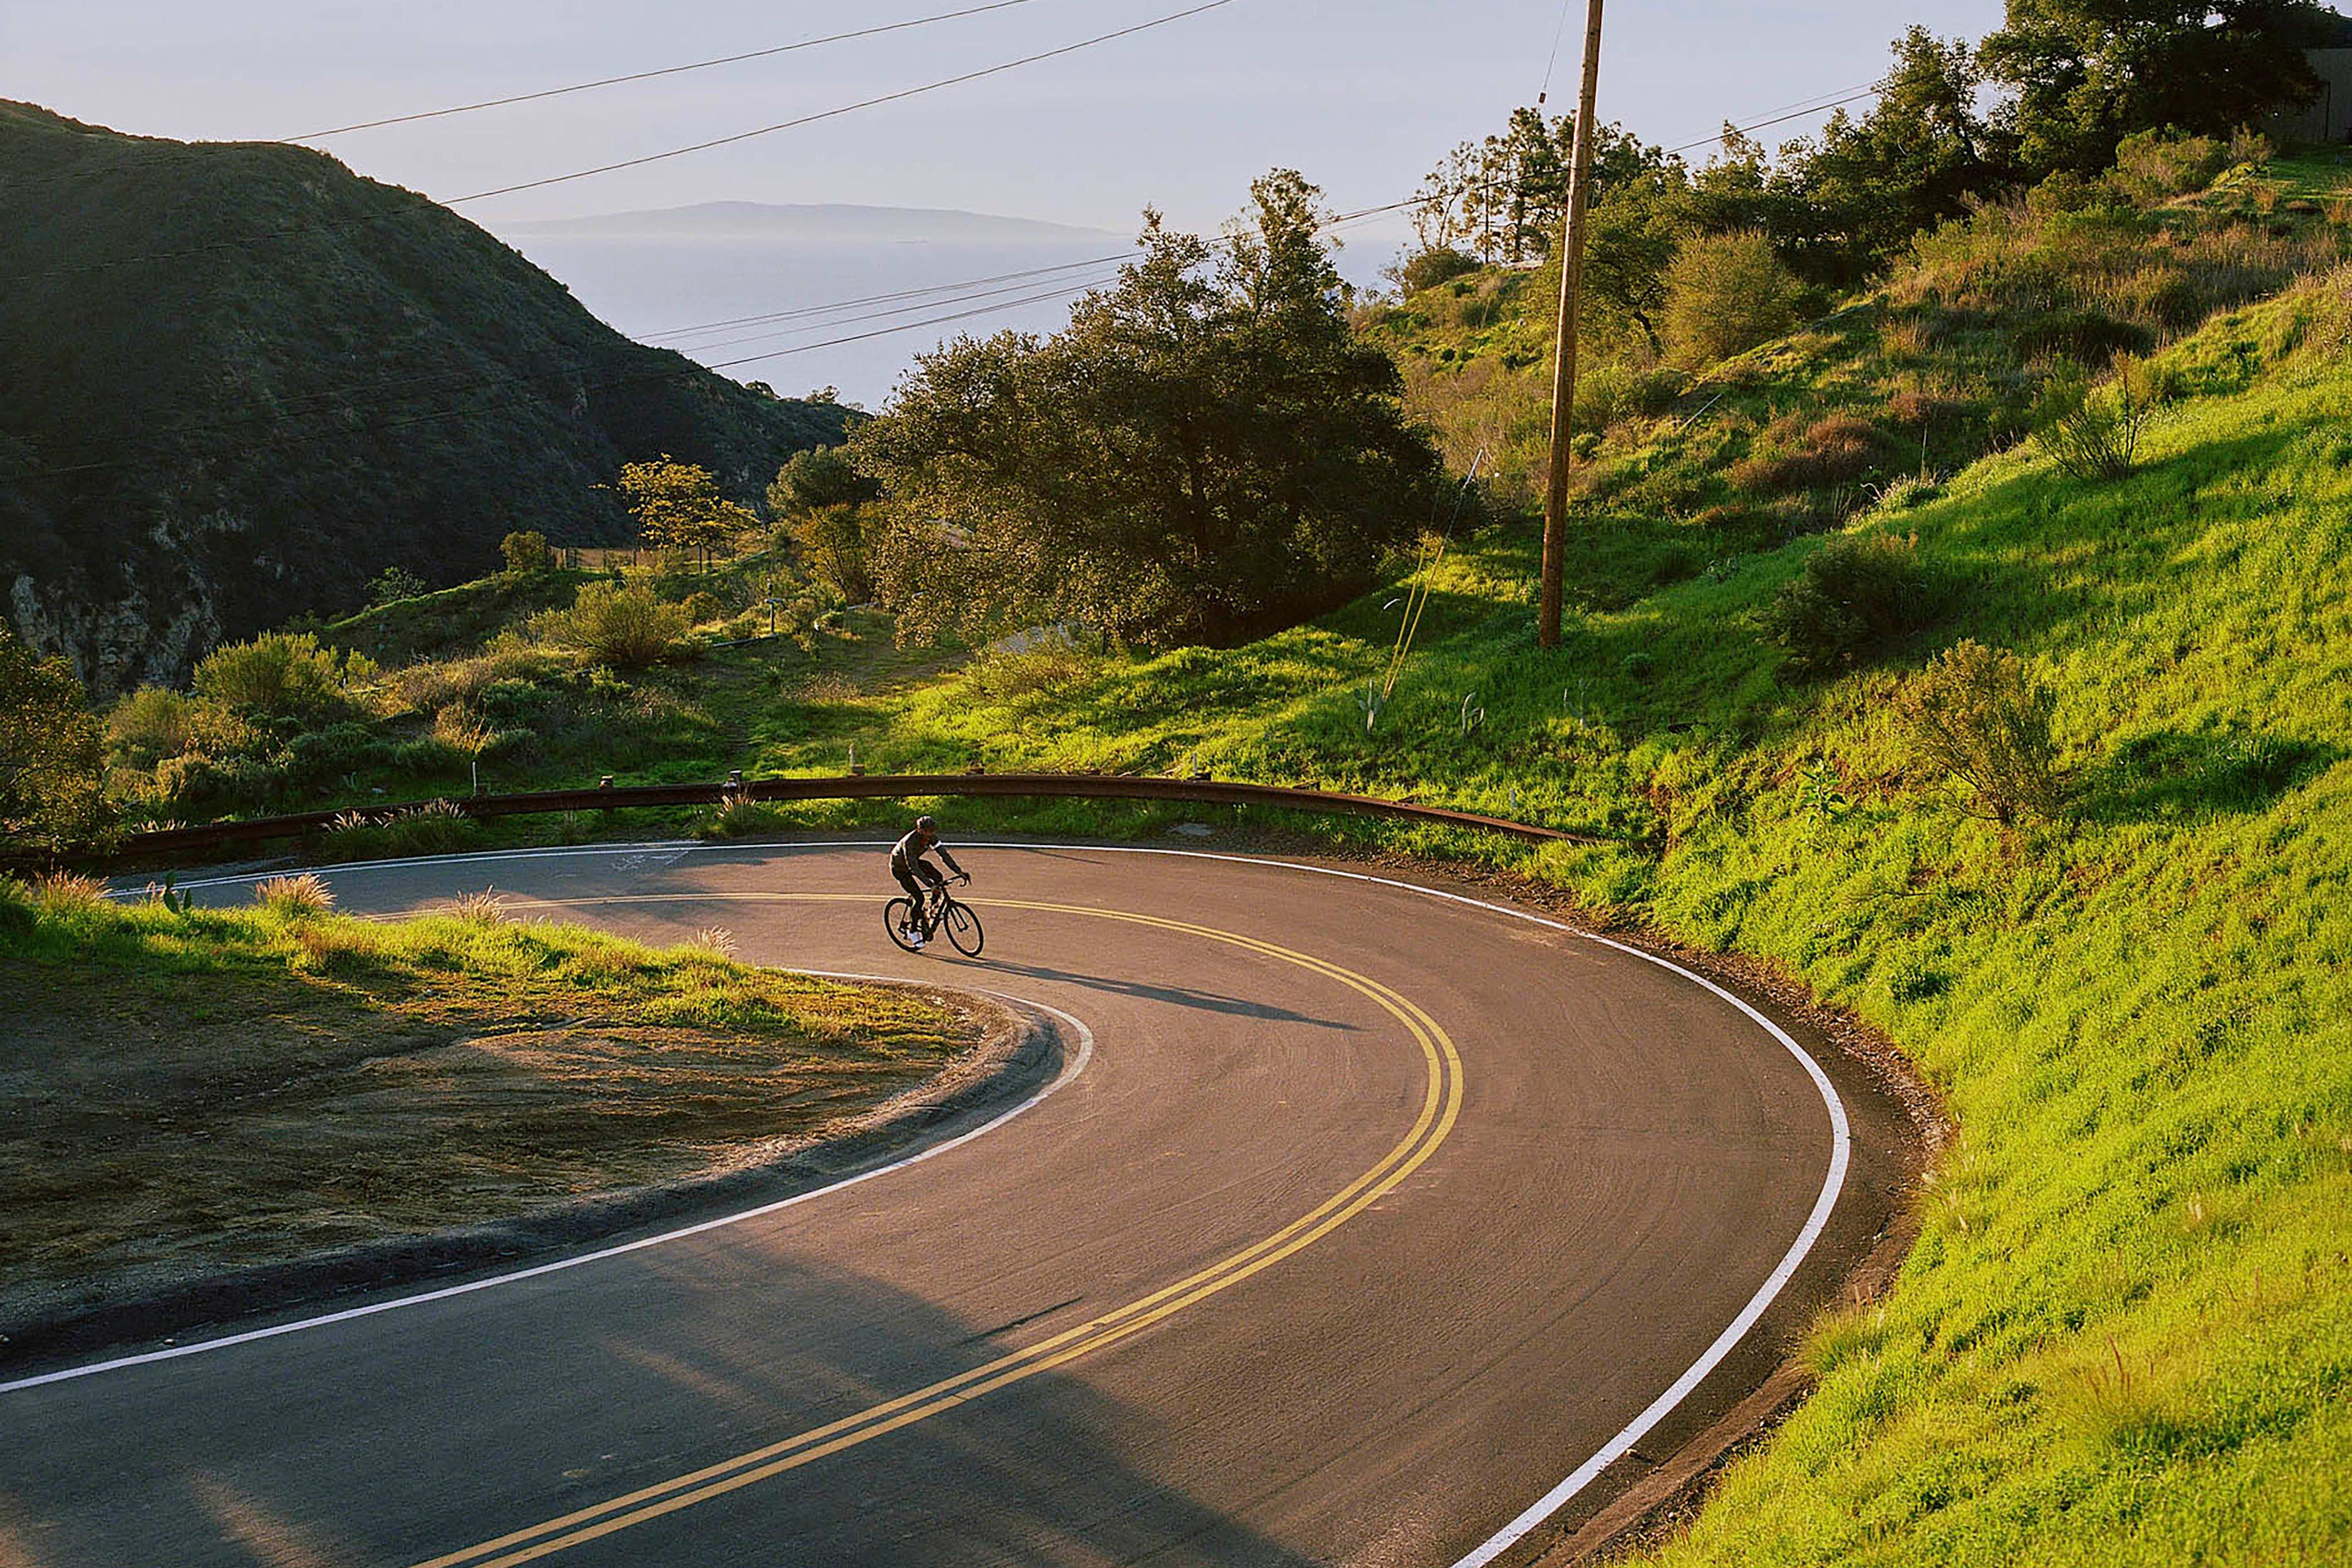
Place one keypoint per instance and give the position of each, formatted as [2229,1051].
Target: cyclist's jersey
[908,852]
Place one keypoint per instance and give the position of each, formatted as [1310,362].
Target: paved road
[1362,1219]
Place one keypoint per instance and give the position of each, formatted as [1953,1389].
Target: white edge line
[1502,1540]
[1070,1069]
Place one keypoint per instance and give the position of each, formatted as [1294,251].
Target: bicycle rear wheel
[897,915]
[964,929]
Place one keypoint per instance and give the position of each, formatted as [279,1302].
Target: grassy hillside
[2125,1336]
[245,382]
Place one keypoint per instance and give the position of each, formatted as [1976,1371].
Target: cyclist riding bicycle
[907,863]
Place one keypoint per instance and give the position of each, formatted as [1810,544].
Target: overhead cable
[651,75]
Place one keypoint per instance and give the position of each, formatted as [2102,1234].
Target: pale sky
[1363,97]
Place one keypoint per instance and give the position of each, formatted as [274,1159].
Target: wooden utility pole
[1563,364]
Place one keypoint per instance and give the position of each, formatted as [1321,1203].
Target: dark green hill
[237,380]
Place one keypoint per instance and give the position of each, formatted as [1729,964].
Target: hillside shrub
[1434,265]
[280,676]
[623,625]
[526,553]
[317,755]
[149,724]
[52,751]
[2157,165]
[1858,593]
[395,583]
[1725,294]
[1836,449]
[2094,433]
[430,687]
[199,781]
[1981,719]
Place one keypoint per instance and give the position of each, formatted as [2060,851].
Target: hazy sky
[1362,97]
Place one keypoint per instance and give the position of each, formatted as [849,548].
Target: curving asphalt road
[1361,1226]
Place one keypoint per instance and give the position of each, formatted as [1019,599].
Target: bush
[295,895]
[1428,269]
[199,782]
[1979,717]
[1725,294]
[622,625]
[149,724]
[702,607]
[319,754]
[2157,165]
[435,828]
[1834,450]
[526,553]
[279,676]
[52,751]
[395,583]
[509,662]
[1858,593]
[2095,434]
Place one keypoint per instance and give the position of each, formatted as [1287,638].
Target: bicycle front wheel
[964,930]
[896,916]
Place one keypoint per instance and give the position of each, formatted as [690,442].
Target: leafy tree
[1205,454]
[678,506]
[1428,269]
[1914,160]
[821,476]
[2089,73]
[826,502]
[395,583]
[526,553]
[52,752]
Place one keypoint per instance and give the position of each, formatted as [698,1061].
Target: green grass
[226,1088]
[2126,1334]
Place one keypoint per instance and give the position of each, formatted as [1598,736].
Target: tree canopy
[679,506]
[1205,454]
[52,751]
[2087,73]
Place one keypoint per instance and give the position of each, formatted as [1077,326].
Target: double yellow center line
[1441,1104]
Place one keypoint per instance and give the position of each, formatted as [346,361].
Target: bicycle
[940,910]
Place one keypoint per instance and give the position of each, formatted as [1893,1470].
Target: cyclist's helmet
[926,825]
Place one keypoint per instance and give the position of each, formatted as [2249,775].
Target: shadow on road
[489,1438]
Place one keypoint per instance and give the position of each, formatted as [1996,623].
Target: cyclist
[907,863]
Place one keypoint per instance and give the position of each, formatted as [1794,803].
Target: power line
[301,230]
[493,383]
[328,404]
[1871,91]
[1552,61]
[1081,285]
[651,75]
[796,123]
[192,152]
[882,298]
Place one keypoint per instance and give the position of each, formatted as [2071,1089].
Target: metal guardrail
[1198,790]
